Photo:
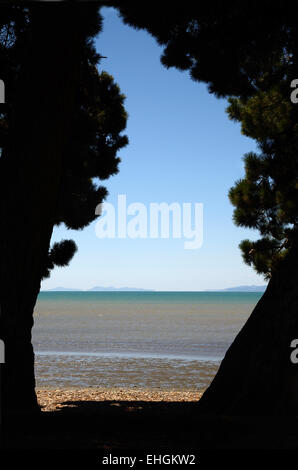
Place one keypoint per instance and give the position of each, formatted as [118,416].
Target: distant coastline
[251,288]
[245,289]
[98,289]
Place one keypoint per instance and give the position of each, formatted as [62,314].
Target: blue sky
[183,148]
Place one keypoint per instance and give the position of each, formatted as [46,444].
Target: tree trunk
[31,176]
[257,376]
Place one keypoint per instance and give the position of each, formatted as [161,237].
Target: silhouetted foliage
[59,255]
[266,198]
[60,132]
[97,126]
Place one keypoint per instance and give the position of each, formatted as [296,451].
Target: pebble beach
[55,399]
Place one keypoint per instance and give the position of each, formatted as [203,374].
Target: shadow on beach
[116,425]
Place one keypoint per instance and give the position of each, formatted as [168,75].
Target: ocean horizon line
[142,291]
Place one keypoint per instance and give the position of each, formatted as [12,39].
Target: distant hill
[96,289]
[112,289]
[136,289]
[245,289]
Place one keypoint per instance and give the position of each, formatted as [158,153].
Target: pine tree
[248,52]
[60,132]
[266,198]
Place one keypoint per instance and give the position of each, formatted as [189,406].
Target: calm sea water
[135,339]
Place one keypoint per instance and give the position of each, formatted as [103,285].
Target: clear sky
[184,149]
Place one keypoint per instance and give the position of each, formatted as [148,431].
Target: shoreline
[55,399]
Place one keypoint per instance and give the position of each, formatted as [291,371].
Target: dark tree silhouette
[60,132]
[266,198]
[240,50]
[248,52]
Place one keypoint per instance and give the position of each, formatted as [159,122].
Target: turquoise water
[152,297]
[135,339]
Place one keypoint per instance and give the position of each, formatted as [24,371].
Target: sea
[158,340]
